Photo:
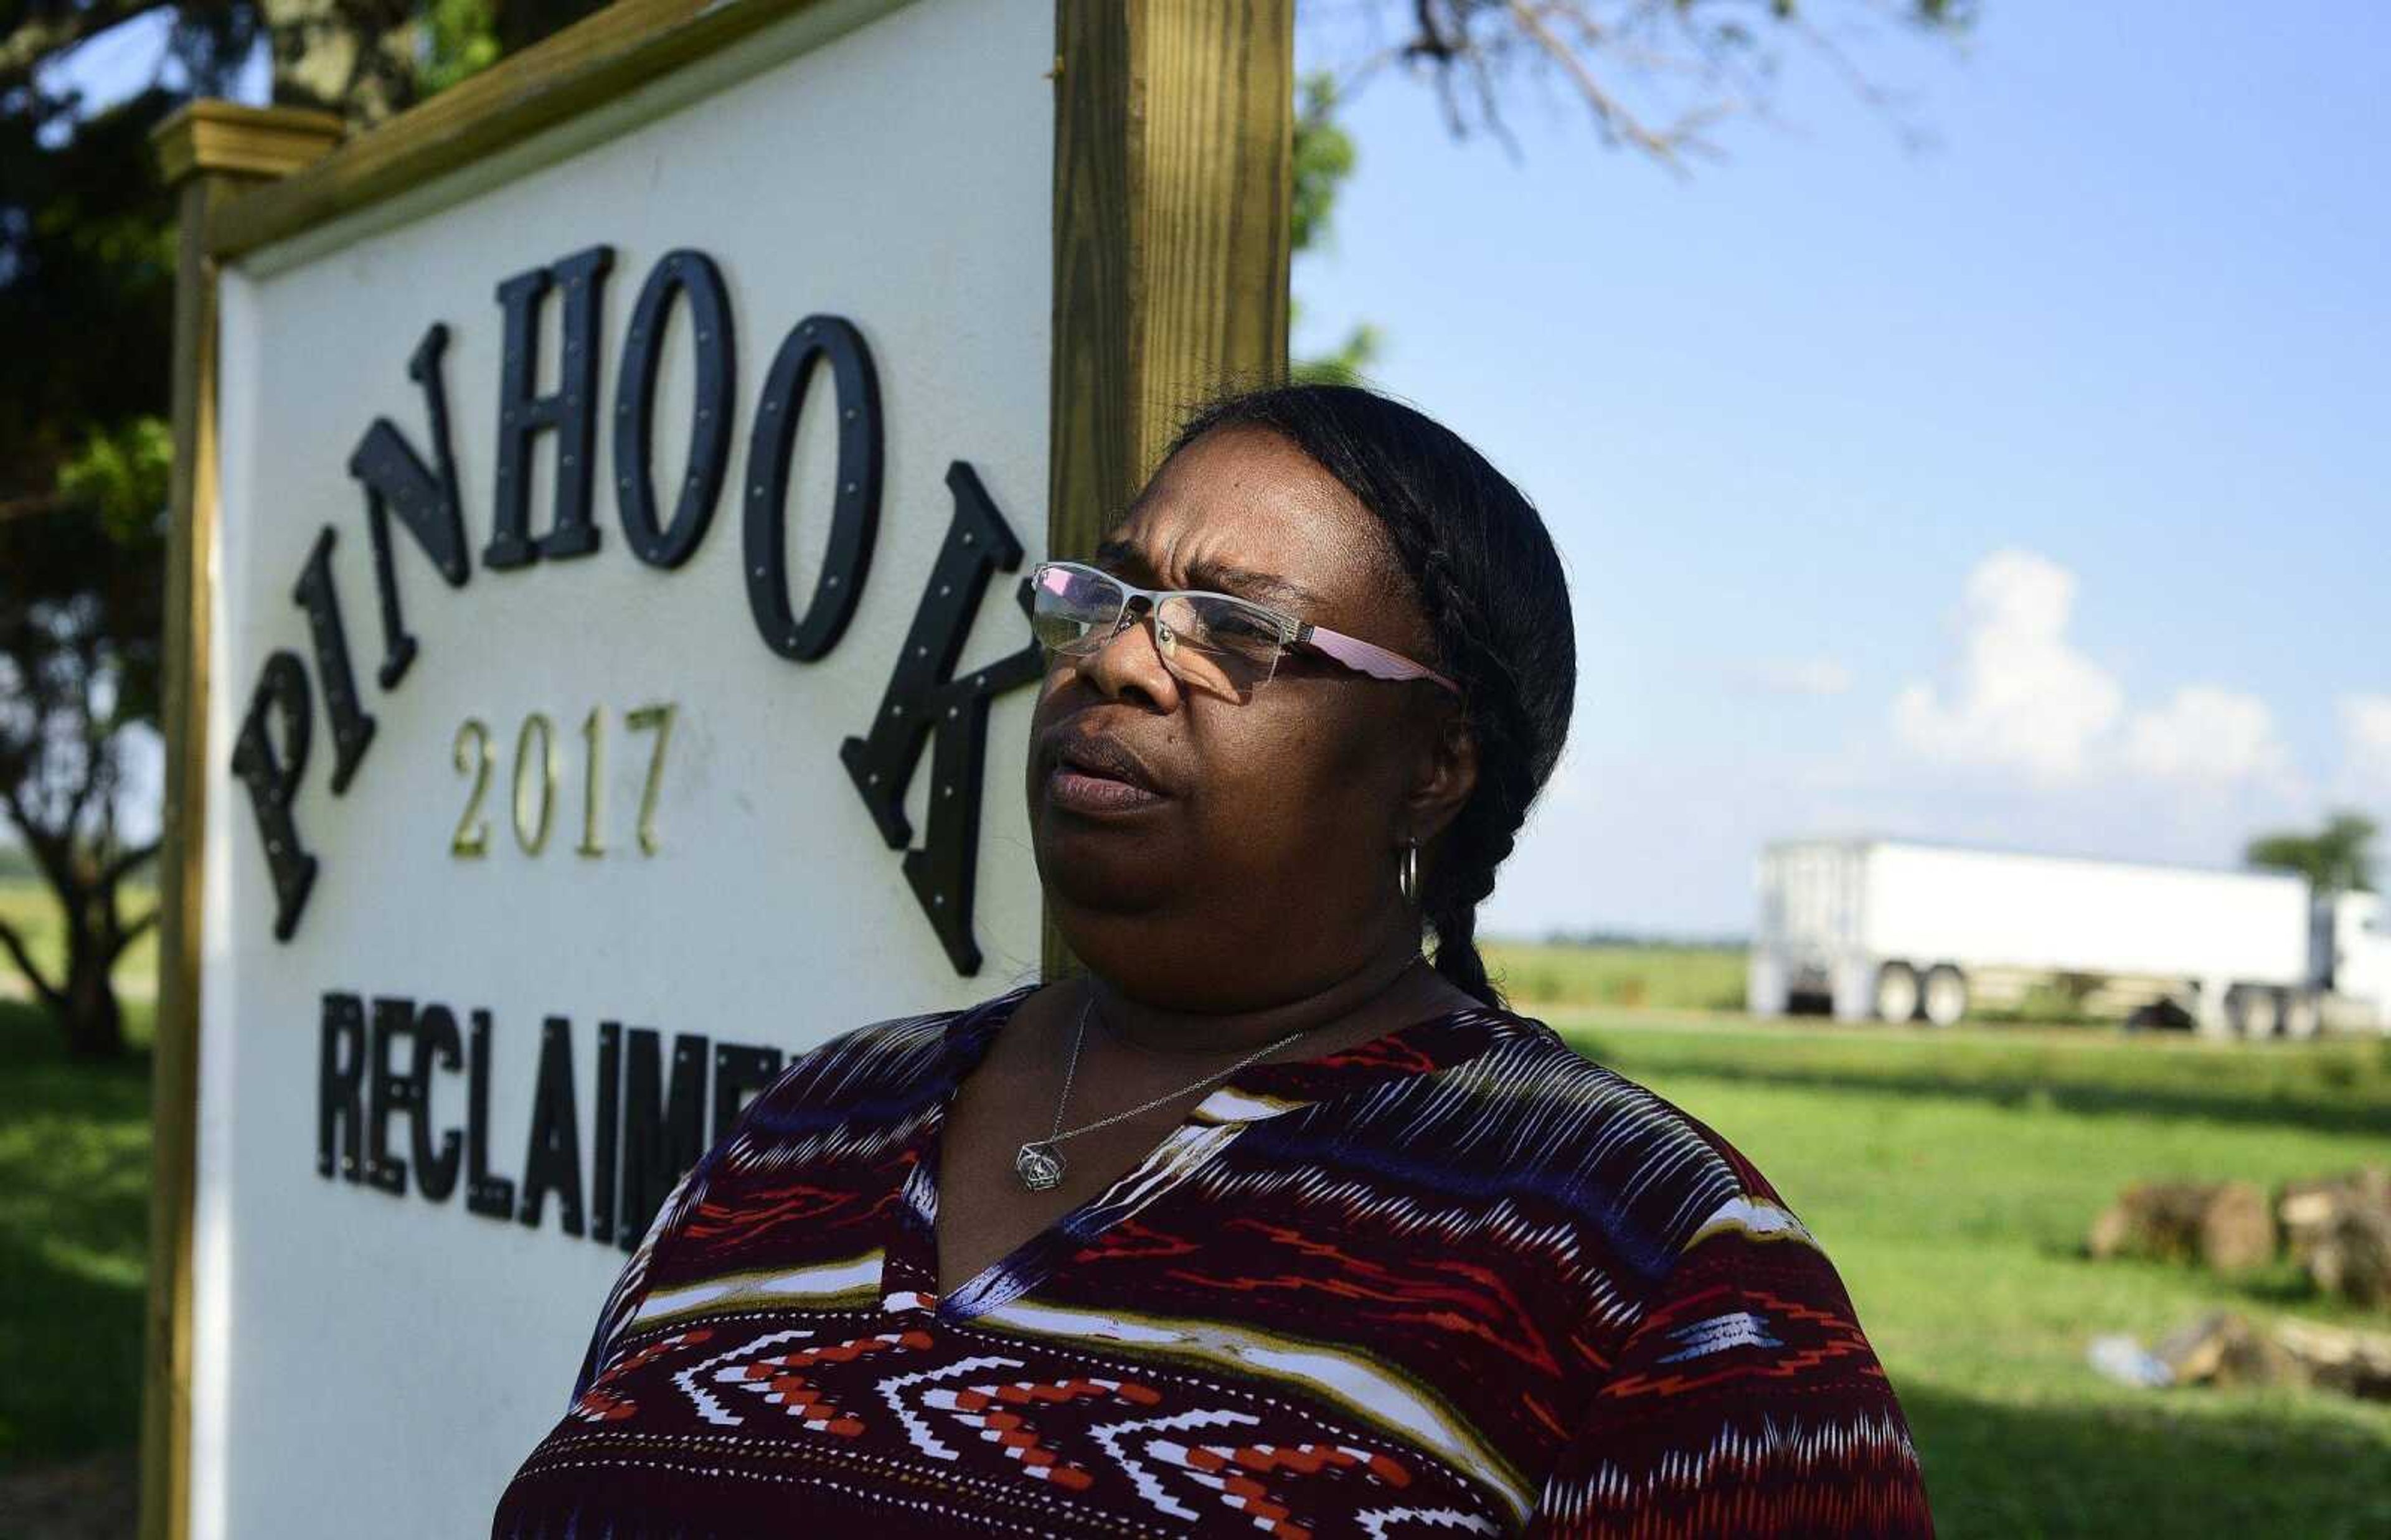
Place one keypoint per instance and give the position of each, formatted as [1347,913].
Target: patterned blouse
[1458,1280]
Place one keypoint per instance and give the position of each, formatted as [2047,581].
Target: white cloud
[2209,736]
[2027,743]
[1799,676]
[2366,747]
[2023,697]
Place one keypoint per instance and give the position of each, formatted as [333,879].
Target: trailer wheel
[1896,992]
[2255,1011]
[2304,1016]
[1946,995]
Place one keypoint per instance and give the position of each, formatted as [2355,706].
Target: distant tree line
[2338,858]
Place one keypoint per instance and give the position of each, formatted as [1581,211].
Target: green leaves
[2337,858]
[121,474]
[1324,156]
[461,38]
[1347,364]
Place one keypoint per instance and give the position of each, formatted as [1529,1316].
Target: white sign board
[616,575]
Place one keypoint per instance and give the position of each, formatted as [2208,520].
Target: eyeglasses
[1218,643]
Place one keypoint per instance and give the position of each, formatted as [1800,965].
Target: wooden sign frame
[1172,191]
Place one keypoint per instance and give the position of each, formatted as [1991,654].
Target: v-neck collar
[910,1270]
[1266,1090]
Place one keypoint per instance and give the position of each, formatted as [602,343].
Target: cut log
[2339,1229]
[2237,1232]
[2159,1220]
[2307,1209]
[2355,1363]
[2225,1349]
[2352,1258]
[2230,1226]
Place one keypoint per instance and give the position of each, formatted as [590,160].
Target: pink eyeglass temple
[1369,658]
[1352,651]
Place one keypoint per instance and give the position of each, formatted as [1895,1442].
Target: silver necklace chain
[1058,1136]
[1040,1165]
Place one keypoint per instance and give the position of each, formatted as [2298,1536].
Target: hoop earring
[1407,873]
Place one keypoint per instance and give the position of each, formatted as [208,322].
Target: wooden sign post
[596,662]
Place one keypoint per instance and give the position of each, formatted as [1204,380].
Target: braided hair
[1491,584]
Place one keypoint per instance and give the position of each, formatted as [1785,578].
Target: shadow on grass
[74,1215]
[70,1358]
[2262,1107]
[2178,1464]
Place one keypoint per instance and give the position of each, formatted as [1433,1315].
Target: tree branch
[48,851]
[132,932]
[1886,103]
[51,994]
[119,869]
[1432,42]
[94,768]
[1614,119]
[1655,75]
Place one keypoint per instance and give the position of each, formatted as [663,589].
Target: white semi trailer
[1896,930]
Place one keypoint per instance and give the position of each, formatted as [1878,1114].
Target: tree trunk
[83,1002]
[87,1003]
[95,1021]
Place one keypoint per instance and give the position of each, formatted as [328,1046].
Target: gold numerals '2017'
[534,780]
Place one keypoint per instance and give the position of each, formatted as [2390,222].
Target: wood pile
[2227,1349]
[2355,1363]
[2226,1225]
[2337,1229]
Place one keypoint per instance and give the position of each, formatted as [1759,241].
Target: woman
[1264,1222]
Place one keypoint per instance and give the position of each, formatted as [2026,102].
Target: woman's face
[1259,862]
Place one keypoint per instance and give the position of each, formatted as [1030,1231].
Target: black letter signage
[352,725]
[923,695]
[552,1159]
[436,1037]
[418,487]
[662,1133]
[855,508]
[694,274]
[273,780]
[396,479]
[571,410]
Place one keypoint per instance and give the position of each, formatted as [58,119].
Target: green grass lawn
[74,1217]
[1679,978]
[1952,1175]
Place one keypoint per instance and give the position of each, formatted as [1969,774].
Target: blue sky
[2025,490]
